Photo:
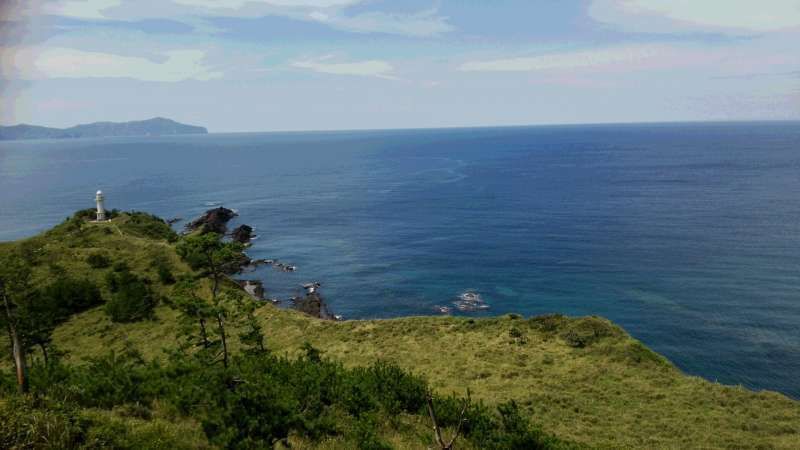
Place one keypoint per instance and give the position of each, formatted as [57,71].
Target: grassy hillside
[584,379]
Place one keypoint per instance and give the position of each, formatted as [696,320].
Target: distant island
[158,126]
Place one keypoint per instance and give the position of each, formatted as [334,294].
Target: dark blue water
[686,235]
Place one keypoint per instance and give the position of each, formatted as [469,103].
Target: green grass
[612,392]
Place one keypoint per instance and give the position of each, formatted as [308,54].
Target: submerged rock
[213,221]
[469,301]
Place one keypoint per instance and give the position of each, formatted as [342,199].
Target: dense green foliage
[259,400]
[66,296]
[53,305]
[136,223]
[163,270]
[132,299]
[91,214]
[32,423]
[147,225]
[98,260]
[207,252]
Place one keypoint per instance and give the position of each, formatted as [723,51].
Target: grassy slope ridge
[584,379]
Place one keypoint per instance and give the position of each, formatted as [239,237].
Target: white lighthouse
[101,210]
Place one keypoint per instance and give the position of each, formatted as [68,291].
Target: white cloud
[569,60]
[772,55]
[421,24]
[38,63]
[370,68]
[331,13]
[79,9]
[239,4]
[698,15]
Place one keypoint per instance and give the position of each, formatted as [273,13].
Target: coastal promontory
[149,341]
[157,126]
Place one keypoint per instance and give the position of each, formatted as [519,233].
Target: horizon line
[532,125]
[453,127]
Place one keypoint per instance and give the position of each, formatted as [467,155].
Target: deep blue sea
[688,235]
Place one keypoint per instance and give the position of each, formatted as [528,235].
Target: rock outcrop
[242,233]
[213,221]
[253,287]
[313,305]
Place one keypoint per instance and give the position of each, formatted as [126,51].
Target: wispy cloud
[703,15]
[568,60]
[370,68]
[78,9]
[41,63]
[421,24]
[756,75]
[239,4]
[331,13]
[661,60]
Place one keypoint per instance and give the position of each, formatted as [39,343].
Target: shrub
[365,436]
[56,269]
[259,400]
[586,331]
[85,214]
[66,296]
[512,431]
[131,300]
[106,431]
[119,273]
[163,270]
[98,261]
[24,424]
[548,323]
[149,226]
[517,336]
[114,379]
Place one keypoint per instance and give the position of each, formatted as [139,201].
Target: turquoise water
[688,235]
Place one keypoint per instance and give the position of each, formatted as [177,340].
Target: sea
[685,234]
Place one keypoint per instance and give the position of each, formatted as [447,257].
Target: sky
[267,65]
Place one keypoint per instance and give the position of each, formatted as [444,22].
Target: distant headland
[157,126]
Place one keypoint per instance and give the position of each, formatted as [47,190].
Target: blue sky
[261,65]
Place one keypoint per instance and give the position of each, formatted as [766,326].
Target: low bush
[585,331]
[548,323]
[132,299]
[98,260]
[66,296]
[149,226]
[259,400]
[28,423]
[163,270]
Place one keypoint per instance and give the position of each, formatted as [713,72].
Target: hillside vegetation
[583,381]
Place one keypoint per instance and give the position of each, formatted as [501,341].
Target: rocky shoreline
[216,221]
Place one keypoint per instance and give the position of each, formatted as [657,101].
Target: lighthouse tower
[101,210]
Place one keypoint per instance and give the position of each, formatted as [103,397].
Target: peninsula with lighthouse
[142,291]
